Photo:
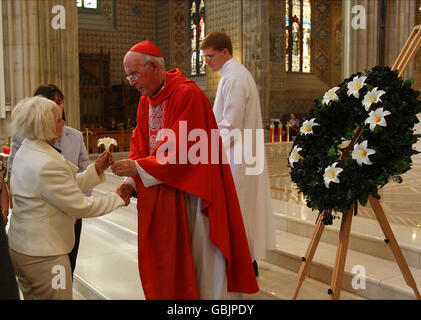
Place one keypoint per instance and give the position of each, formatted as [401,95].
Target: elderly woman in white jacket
[48,195]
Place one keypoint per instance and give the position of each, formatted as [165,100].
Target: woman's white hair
[35,118]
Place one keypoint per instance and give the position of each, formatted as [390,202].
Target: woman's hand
[125,192]
[103,162]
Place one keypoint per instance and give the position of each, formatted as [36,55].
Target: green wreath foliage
[339,121]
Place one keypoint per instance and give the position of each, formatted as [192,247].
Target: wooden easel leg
[400,259]
[338,269]
[309,254]
[408,52]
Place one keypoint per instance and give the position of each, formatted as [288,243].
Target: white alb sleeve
[147,179]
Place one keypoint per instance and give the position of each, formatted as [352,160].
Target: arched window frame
[290,5]
[196,60]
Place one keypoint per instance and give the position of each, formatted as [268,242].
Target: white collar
[227,65]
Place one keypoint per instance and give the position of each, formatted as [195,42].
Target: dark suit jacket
[8,286]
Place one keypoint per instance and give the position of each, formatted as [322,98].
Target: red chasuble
[164,248]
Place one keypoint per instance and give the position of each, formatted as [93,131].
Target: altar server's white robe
[237,106]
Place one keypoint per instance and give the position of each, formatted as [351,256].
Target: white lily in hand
[355,85]
[307,127]
[331,174]
[376,118]
[372,97]
[361,153]
[107,142]
[295,156]
[330,95]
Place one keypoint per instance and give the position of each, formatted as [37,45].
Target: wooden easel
[402,62]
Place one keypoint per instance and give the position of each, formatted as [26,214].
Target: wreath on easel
[357,137]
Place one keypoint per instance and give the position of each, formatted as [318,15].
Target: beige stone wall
[131,28]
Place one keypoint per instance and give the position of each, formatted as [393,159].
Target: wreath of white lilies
[356,138]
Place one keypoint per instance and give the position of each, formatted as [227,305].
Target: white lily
[330,95]
[307,126]
[294,156]
[331,174]
[355,85]
[372,97]
[361,153]
[107,142]
[376,118]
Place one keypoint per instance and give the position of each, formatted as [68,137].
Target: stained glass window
[196,35]
[298,35]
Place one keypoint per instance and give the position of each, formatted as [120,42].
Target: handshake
[121,168]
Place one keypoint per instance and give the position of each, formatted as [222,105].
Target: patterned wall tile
[321,43]
[179,40]
[322,60]
[163,30]
[336,61]
[132,26]
[322,34]
[322,7]
[223,15]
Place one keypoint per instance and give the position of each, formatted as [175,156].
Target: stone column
[362,44]
[36,53]
[400,22]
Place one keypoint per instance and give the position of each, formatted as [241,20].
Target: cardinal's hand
[125,168]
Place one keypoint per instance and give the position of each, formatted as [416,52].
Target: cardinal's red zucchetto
[147,47]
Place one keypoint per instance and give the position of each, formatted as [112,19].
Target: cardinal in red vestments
[191,238]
